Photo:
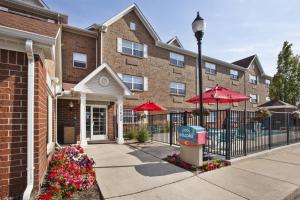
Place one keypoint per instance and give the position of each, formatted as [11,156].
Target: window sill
[252,83]
[133,56]
[83,68]
[214,74]
[135,90]
[237,79]
[178,66]
[178,95]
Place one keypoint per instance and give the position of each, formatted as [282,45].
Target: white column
[83,141]
[120,139]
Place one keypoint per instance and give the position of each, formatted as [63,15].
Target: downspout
[30,120]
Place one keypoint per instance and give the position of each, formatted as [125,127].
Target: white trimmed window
[268,99]
[132,48]
[133,82]
[177,88]
[176,59]
[79,60]
[253,79]
[267,82]
[211,117]
[234,74]
[132,26]
[129,116]
[254,98]
[210,68]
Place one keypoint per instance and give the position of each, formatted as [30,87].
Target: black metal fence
[230,133]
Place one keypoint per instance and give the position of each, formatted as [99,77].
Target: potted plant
[296,114]
[196,112]
[262,113]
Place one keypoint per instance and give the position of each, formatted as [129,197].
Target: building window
[176,59]
[267,82]
[132,48]
[234,74]
[268,99]
[254,98]
[132,26]
[79,60]
[210,68]
[253,79]
[212,116]
[129,116]
[177,88]
[133,82]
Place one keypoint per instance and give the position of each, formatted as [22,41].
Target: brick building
[60,82]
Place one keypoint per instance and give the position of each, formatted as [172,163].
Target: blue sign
[188,133]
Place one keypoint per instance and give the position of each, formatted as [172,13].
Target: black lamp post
[198,26]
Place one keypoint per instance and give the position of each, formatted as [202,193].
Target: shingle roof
[245,62]
[276,102]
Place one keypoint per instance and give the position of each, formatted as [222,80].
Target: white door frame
[100,137]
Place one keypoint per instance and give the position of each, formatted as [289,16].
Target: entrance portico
[100,96]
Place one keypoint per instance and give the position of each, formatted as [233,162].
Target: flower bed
[70,170]
[207,166]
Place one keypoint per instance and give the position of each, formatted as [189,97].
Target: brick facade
[13,123]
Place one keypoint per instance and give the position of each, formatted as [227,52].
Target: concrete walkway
[124,172]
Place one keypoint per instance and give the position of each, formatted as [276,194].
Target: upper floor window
[176,59]
[79,60]
[268,99]
[254,98]
[129,116]
[133,82]
[210,68]
[234,74]
[132,26]
[132,48]
[177,88]
[253,79]
[267,82]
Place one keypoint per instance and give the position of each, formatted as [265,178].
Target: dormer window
[132,26]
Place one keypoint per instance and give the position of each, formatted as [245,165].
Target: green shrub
[143,135]
[131,134]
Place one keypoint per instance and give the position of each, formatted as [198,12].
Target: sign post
[192,139]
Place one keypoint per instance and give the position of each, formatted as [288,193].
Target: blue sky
[235,28]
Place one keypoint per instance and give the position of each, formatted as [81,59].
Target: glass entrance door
[98,123]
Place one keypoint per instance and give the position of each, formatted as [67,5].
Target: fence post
[171,129]
[270,135]
[185,116]
[287,129]
[228,135]
[245,134]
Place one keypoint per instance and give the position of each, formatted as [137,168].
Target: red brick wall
[68,117]
[13,123]
[111,122]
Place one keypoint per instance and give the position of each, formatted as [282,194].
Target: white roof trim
[173,39]
[260,68]
[12,32]
[79,86]
[135,8]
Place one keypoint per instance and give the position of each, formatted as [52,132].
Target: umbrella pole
[217,113]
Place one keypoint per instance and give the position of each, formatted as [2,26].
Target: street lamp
[198,26]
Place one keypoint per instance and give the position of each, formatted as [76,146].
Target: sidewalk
[124,172]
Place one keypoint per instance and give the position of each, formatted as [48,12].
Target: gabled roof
[175,41]
[276,104]
[246,63]
[139,13]
[81,84]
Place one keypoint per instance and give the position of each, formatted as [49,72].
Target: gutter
[30,120]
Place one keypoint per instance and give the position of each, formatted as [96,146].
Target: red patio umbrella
[149,106]
[219,94]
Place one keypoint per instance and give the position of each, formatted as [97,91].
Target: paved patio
[125,172]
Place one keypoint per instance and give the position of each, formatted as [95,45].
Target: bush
[143,135]
[196,112]
[131,135]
